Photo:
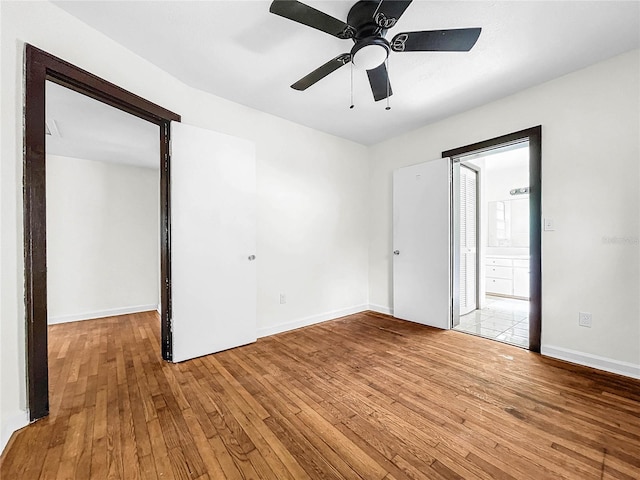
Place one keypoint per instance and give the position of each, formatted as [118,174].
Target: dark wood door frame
[534,136]
[39,67]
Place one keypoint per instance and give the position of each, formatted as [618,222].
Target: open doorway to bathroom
[495,239]
[493,244]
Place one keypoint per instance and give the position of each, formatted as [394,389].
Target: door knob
[396,252]
[252,257]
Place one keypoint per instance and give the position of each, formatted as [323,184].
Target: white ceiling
[240,51]
[82,127]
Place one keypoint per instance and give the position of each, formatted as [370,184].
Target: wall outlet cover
[584,319]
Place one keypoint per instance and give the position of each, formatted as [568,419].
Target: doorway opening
[103,210]
[103,237]
[491,243]
[496,242]
[40,67]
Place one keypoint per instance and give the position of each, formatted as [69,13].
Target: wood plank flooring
[362,397]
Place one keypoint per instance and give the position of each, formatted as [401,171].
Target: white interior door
[468,239]
[213,242]
[422,243]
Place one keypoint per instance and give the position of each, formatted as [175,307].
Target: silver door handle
[252,258]
[396,252]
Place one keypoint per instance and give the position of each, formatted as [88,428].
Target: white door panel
[421,243]
[213,236]
[467,238]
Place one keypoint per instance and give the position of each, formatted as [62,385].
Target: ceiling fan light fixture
[370,53]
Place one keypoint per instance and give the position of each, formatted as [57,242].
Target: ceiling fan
[367,24]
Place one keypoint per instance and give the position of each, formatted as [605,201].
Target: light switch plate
[549,226]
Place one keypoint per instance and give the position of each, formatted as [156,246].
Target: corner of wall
[380,309]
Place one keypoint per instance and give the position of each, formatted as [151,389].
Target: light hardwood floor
[362,397]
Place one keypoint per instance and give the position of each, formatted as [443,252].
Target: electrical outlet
[584,319]
[283,299]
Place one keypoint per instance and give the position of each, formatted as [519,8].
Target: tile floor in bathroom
[502,319]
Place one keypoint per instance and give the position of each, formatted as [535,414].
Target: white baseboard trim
[601,363]
[381,309]
[112,312]
[11,423]
[313,319]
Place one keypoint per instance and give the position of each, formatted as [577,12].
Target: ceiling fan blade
[457,40]
[301,13]
[379,81]
[390,11]
[319,73]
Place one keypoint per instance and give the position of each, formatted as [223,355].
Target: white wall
[590,187]
[312,187]
[103,239]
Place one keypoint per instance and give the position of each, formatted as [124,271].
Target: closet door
[468,239]
[213,242]
[421,243]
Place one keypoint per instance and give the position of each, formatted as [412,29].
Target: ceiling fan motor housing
[366,22]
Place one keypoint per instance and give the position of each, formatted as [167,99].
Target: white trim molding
[112,312]
[322,317]
[589,360]
[11,424]
[381,309]
[313,319]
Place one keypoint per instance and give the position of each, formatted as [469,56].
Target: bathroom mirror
[508,222]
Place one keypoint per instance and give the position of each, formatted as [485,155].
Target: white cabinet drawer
[500,286]
[521,263]
[499,272]
[498,262]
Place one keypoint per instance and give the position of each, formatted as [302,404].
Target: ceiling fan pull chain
[388,107]
[351,62]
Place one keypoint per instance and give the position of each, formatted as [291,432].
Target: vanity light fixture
[519,191]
